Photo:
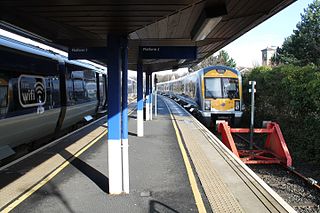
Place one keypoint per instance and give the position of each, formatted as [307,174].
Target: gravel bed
[300,195]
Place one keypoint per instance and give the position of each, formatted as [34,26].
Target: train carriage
[215,92]
[42,93]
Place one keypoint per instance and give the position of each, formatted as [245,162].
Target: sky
[246,50]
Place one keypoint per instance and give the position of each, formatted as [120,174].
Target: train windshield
[221,88]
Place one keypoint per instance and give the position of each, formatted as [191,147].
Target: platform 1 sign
[168,52]
[87,53]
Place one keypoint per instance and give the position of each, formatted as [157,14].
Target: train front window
[212,88]
[221,88]
[230,88]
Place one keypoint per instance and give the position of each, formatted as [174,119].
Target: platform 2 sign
[168,52]
[87,53]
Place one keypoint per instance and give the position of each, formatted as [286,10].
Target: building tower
[267,55]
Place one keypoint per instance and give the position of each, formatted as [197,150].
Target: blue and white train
[42,93]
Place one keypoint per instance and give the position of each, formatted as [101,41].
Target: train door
[102,91]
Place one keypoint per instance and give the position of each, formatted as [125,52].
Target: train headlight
[237,105]
[207,105]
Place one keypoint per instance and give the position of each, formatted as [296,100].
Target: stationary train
[213,93]
[42,93]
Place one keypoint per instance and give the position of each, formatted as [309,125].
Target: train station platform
[178,166]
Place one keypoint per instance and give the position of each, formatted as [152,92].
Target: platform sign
[87,53]
[168,52]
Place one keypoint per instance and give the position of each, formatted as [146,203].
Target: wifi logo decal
[32,91]
[40,92]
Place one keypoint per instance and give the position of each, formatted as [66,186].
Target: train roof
[205,70]
[35,50]
[219,67]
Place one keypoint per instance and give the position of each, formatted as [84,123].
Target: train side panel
[77,113]
[81,94]
[29,97]
[42,93]
[19,129]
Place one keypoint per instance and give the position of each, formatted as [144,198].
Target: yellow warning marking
[52,174]
[192,179]
[49,177]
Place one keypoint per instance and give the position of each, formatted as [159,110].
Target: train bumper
[234,117]
[208,114]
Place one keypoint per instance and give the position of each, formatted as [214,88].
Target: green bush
[290,96]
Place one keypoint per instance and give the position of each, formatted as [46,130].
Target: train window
[221,88]
[230,88]
[77,85]
[78,90]
[49,100]
[192,89]
[70,89]
[90,85]
[91,89]
[82,86]
[212,88]
[56,91]
[102,87]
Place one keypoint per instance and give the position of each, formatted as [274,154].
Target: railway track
[301,192]
[302,196]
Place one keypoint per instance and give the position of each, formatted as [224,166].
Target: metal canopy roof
[68,23]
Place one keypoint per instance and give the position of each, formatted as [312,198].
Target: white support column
[124,123]
[114,166]
[114,116]
[140,123]
[125,165]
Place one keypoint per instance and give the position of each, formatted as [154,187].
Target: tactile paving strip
[218,194]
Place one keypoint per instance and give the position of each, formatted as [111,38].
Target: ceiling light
[207,21]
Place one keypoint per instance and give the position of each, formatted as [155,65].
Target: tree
[303,46]
[222,58]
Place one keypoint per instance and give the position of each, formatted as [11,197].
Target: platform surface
[158,178]
[72,176]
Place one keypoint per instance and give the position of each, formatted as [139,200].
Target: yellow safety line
[192,179]
[53,174]
[49,177]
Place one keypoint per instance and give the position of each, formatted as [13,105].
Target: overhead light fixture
[181,61]
[207,21]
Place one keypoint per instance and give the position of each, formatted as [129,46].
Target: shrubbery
[289,95]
